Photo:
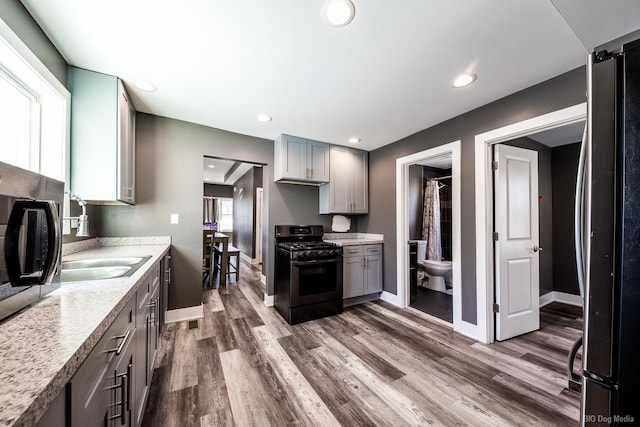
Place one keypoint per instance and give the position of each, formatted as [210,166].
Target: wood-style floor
[374,364]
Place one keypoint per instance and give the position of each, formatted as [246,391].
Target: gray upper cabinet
[102,138]
[301,161]
[348,189]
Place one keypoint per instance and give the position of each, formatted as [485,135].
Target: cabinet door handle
[124,381]
[119,349]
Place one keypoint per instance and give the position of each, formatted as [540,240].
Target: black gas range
[307,274]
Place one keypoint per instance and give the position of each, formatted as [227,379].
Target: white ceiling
[563,135]
[223,171]
[385,76]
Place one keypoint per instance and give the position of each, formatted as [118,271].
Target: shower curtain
[431,221]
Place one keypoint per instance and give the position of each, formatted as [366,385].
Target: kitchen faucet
[83,220]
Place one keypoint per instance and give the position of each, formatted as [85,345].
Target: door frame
[484,203]
[401,298]
[258,220]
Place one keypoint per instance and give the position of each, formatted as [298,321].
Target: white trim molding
[452,149]
[269,300]
[484,199]
[563,297]
[390,298]
[187,313]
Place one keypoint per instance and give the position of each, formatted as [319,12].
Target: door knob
[537,248]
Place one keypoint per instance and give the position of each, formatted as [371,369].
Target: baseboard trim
[391,298]
[563,297]
[187,313]
[269,300]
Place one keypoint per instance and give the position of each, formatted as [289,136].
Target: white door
[516,248]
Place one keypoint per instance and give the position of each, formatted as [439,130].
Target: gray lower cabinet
[112,385]
[361,270]
[165,269]
[56,413]
[147,327]
[96,386]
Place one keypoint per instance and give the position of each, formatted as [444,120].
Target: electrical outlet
[174,218]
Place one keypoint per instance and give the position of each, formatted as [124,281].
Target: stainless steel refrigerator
[610,239]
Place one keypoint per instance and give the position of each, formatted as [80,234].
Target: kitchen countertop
[45,344]
[351,239]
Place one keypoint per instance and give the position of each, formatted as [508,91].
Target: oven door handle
[316,261]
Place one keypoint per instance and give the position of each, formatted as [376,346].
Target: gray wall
[217,190]
[169,180]
[564,161]
[545,210]
[416,196]
[244,211]
[13,13]
[563,91]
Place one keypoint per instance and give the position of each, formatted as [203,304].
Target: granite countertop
[350,239]
[45,344]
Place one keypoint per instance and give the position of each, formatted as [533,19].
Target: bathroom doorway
[445,157]
[430,237]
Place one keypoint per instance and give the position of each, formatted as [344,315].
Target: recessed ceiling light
[338,12]
[464,80]
[145,86]
[265,118]
[212,166]
[354,140]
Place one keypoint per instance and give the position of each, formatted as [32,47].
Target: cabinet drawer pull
[124,390]
[119,349]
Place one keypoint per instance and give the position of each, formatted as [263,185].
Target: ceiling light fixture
[264,118]
[354,140]
[212,166]
[338,12]
[464,80]
[145,86]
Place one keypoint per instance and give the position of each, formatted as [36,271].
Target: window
[18,116]
[34,113]
[226,215]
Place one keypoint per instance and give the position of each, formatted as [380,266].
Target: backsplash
[98,242]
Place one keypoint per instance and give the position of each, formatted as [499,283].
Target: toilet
[439,273]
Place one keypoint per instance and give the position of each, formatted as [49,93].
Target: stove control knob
[302,254]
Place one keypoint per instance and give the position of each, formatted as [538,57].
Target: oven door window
[317,279]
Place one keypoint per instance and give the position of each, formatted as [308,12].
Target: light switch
[174,218]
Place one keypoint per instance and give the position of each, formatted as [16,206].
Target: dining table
[221,239]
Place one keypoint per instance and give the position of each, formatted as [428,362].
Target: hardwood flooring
[374,364]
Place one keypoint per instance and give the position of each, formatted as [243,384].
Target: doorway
[430,237]
[450,151]
[557,121]
[233,210]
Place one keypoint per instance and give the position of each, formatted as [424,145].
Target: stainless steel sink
[102,262]
[100,268]
[94,273]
